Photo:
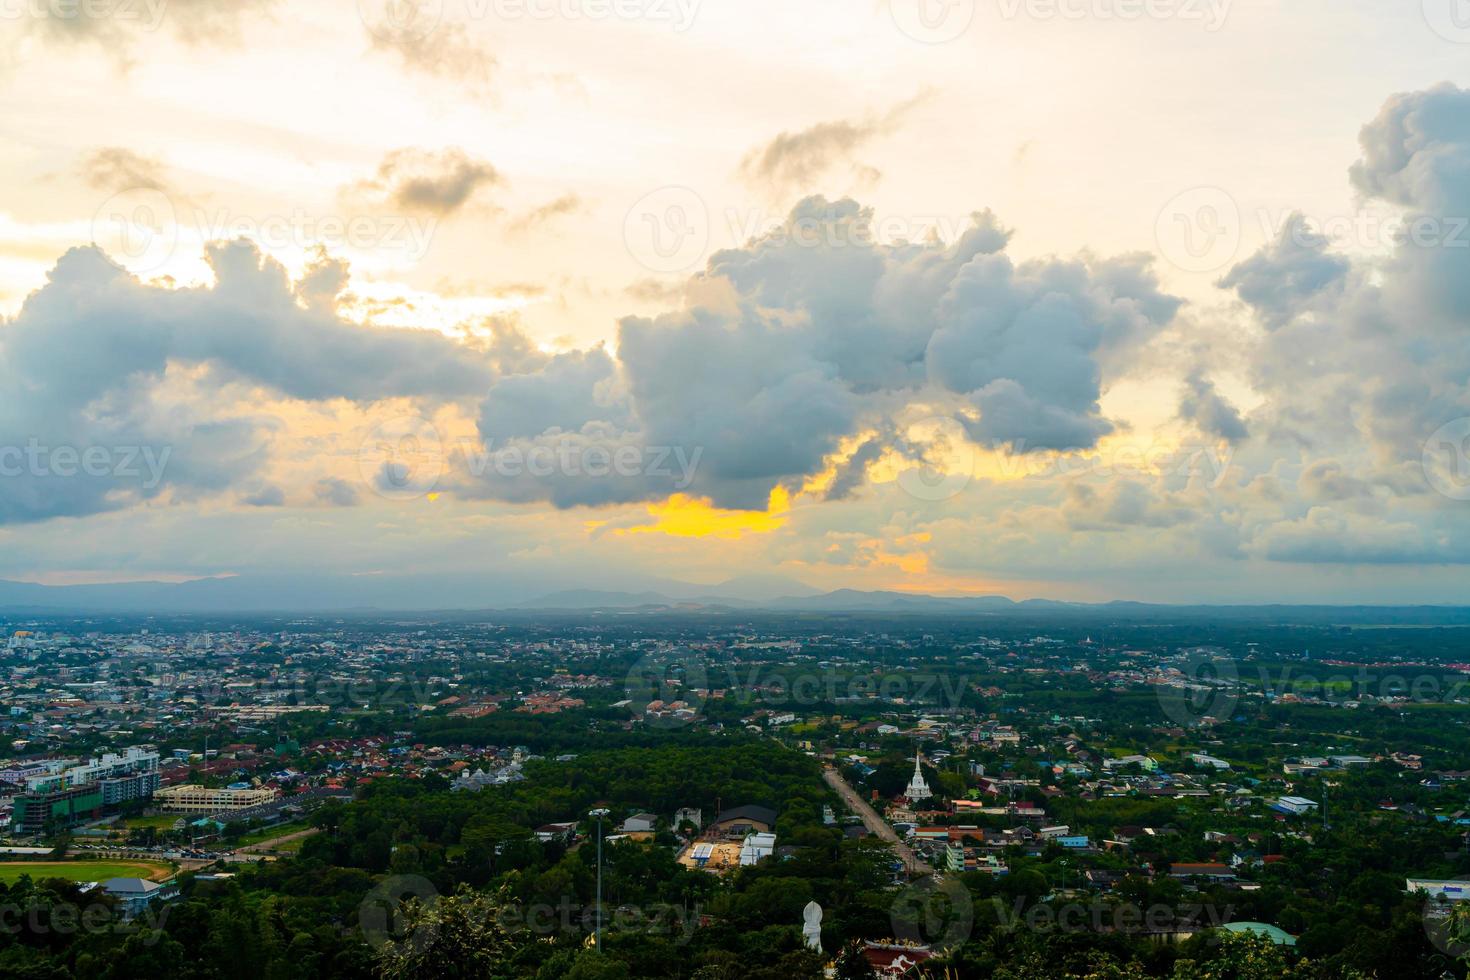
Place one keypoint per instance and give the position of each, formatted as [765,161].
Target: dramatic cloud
[1376,348]
[779,390]
[794,162]
[128,377]
[1327,536]
[1295,270]
[266,496]
[1414,151]
[1120,505]
[1209,411]
[1365,359]
[116,27]
[850,473]
[434,183]
[564,394]
[567,204]
[116,168]
[336,492]
[748,392]
[822,333]
[425,44]
[1026,344]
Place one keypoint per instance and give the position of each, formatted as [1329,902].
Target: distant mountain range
[905,603]
[452,593]
[383,592]
[843,600]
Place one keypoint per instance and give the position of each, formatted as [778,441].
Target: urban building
[202,799]
[135,894]
[61,795]
[757,847]
[35,813]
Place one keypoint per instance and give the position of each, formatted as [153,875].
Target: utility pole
[599,813]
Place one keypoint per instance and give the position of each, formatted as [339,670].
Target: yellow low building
[202,799]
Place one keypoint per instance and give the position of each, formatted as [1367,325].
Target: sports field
[11,871]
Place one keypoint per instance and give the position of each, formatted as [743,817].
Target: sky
[1161,300]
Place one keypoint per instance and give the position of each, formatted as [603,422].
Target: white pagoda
[918,789]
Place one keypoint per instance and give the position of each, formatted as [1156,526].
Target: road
[875,823]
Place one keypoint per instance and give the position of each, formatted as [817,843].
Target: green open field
[160,821]
[11,871]
[271,833]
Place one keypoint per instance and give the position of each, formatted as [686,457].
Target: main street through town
[875,823]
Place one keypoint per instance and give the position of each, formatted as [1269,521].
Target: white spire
[918,789]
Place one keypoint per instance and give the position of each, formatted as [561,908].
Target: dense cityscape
[757,795]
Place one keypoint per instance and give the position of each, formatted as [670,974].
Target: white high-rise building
[918,789]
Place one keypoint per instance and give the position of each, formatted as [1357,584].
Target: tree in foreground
[451,937]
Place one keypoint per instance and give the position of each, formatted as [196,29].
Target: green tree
[454,936]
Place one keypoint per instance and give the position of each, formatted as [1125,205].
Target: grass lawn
[271,833]
[161,821]
[290,846]
[10,871]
